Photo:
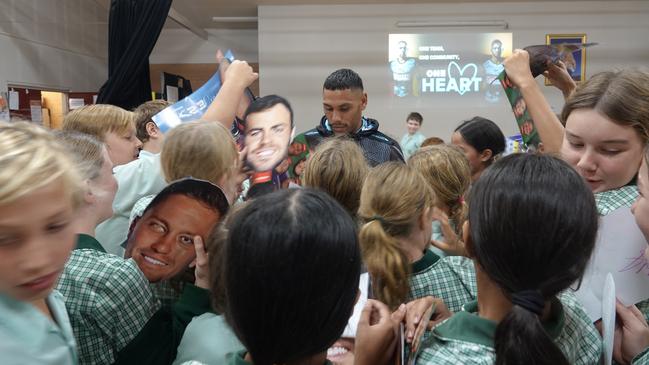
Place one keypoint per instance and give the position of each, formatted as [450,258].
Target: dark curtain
[133,30]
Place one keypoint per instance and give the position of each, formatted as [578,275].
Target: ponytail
[386,263]
[457,214]
[388,216]
[521,339]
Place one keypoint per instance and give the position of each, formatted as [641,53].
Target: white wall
[61,44]
[300,45]
[179,45]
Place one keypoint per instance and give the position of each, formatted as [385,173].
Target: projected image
[448,65]
[402,68]
[492,68]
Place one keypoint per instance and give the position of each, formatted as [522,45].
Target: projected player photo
[402,69]
[438,69]
[492,68]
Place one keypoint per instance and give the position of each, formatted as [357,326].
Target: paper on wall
[36,111]
[619,250]
[172,94]
[14,100]
[76,103]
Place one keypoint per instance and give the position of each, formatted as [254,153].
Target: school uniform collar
[85,241]
[428,260]
[237,358]
[467,326]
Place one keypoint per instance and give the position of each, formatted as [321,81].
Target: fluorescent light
[235,19]
[452,24]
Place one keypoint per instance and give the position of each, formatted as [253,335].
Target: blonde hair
[99,119]
[448,173]
[202,150]
[86,151]
[338,167]
[393,198]
[30,159]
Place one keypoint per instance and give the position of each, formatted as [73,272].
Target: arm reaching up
[547,124]
[223,109]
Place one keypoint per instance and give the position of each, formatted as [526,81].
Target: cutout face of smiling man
[162,240]
[268,132]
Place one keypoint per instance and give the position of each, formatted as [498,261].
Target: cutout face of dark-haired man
[162,240]
[267,136]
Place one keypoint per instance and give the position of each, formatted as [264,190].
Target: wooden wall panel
[197,73]
[56,103]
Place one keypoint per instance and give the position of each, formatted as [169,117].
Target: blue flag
[193,106]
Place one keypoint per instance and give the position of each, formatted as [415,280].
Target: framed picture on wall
[575,61]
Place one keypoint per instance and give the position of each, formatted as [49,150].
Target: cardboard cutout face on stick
[267,136]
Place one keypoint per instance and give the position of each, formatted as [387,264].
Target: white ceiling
[200,12]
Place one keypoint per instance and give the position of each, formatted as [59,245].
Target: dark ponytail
[533,225]
[521,339]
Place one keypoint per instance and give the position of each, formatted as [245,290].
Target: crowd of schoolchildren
[120,244]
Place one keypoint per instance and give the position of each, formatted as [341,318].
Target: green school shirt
[451,278]
[424,263]
[108,300]
[608,201]
[466,338]
[448,279]
[115,313]
[85,241]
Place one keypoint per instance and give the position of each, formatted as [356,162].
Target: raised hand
[560,78]
[201,270]
[517,67]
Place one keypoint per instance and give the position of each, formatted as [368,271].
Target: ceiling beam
[186,23]
[174,15]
